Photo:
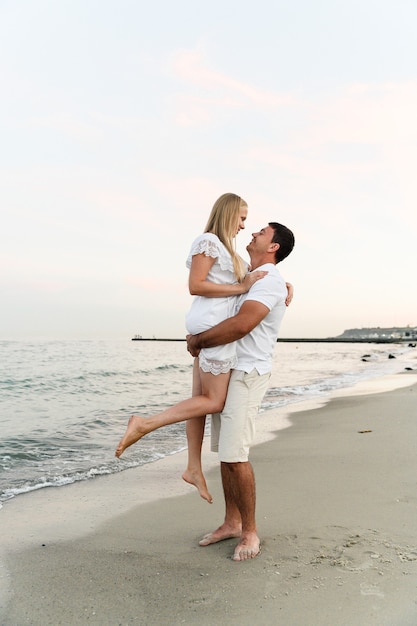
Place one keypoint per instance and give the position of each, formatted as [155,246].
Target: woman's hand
[251,278]
[290,294]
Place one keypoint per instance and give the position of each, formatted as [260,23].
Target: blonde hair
[223,222]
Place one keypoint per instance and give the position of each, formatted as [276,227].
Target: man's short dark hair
[285,238]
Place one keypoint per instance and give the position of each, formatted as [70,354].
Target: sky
[122,121]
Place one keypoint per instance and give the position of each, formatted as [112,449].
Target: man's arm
[250,314]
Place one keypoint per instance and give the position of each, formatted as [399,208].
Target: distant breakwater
[299,340]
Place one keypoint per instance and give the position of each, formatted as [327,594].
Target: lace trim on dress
[215,366]
[207,247]
[213,248]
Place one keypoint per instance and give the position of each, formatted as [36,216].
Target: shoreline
[71,467]
[169,468]
[146,519]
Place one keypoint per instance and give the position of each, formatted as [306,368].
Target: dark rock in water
[409,369]
[391,356]
[366,356]
[365,360]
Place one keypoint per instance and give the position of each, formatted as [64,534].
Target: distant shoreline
[300,340]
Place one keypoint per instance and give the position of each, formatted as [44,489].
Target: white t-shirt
[255,350]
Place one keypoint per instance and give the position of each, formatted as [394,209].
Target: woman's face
[243,213]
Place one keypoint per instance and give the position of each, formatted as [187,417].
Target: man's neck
[256,262]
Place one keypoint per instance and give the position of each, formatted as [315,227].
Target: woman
[217,276]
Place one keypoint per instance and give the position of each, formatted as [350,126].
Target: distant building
[408,333]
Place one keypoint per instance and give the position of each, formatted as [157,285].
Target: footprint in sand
[371,590]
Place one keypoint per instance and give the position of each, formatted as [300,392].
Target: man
[255,326]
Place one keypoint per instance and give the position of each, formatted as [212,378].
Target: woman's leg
[193,474]
[211,400]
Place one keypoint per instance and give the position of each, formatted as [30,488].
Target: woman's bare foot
[137,427]
[197,479]
[248,548]
[223,532]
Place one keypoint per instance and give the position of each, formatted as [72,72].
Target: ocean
[64,405]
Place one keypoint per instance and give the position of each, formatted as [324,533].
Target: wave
[66,429]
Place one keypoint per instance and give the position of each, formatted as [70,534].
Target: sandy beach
[337,517]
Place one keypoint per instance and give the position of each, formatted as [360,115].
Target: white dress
[207,312]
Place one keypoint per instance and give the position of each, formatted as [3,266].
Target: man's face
[261,240]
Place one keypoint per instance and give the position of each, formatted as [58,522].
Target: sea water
[64,405]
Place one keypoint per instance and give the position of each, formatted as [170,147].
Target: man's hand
[191,341]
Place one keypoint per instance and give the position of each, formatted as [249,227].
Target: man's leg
[232,525]
[235,437]
[240,496]
[240,499]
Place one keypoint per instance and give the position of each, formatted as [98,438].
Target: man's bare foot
[223,532]
[137,427]
[197,479]
[248,548]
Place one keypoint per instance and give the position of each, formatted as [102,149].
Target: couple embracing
[233,327]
